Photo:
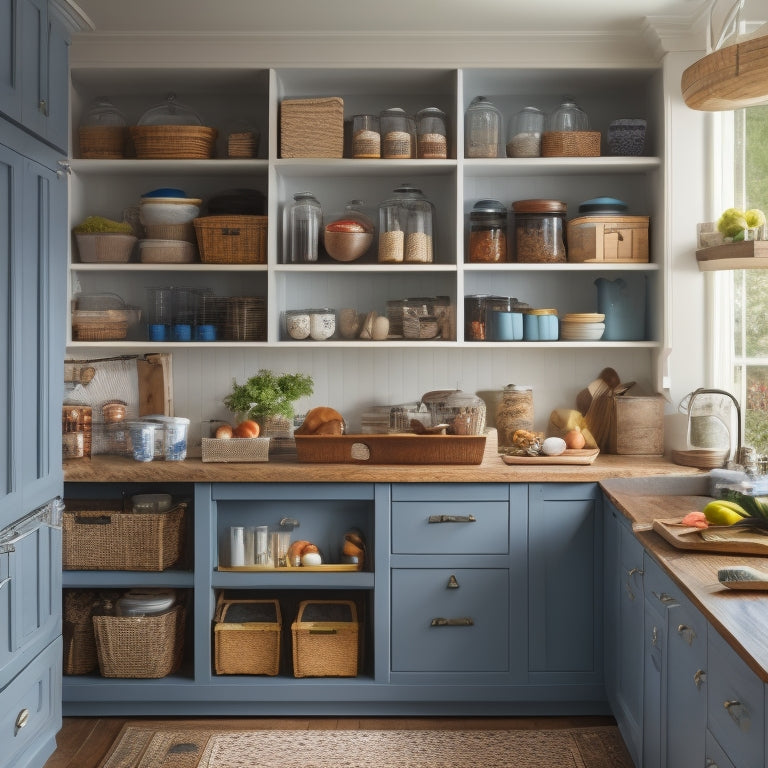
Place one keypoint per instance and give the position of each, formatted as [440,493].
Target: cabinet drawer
[32,698]
[736,705]
[450,620]
[450,527]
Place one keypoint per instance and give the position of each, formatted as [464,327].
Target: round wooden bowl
[347,246]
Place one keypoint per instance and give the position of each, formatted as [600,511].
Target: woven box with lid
[232,239]
[611,238]
[247,637]
[102,535]
[325,639]
[312,127]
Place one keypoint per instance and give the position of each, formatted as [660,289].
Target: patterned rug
[142,746]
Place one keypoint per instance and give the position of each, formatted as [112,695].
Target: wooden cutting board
[571,456]
[718,539]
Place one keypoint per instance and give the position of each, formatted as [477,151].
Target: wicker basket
[105,247]
[570,144]
[312,127]
[184,231]
[325,639]
[102,142]
[173,142]
[80,656]
[247,637]
[237,449]
[232,239]
[140,646]
[100,535]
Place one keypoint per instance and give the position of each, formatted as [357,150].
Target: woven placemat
[146,747]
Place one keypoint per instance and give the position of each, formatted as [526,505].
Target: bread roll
[319,416]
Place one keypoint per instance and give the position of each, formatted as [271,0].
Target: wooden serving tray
[402,448]
[570,456]
[721,538]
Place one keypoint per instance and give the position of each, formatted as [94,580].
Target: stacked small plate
[585,326]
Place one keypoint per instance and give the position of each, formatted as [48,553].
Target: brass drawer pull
[699,677]
[22,719]
[739,714]
[462,621]
[451,519]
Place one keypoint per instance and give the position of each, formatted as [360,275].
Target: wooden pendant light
[732,77]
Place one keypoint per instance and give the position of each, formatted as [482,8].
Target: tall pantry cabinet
[34,39]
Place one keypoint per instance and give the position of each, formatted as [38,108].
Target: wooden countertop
[740,617]
[116,469]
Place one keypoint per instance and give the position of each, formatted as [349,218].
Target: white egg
[311,558]
[553,446]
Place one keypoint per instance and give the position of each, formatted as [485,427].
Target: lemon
[755,218]
[719,514]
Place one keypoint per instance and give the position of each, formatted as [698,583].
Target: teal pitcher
[623,302]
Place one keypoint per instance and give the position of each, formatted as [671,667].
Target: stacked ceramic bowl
[167,216]
[585,326]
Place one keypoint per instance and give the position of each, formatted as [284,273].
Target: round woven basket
[173,142]
[570,144]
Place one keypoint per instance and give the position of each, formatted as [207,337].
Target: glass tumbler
[303,225]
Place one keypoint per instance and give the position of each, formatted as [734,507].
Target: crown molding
[72,15]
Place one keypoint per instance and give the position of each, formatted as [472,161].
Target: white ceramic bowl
[168,210]
[570,331]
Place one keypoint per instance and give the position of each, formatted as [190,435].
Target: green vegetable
[754,506]
[98,224]
[755,218]
[267,394]
[731,222]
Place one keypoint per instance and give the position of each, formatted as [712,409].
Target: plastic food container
[151,502]
[171,436]
[322,323]
[145,602]
[166,252]
[142,440]
[540,325]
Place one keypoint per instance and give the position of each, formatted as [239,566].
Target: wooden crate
[312,127]
[637,425]
[614,239]
[325,639]
[247,637]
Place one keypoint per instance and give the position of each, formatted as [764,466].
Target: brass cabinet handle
[686,633]
[663,597]
[699,677]
[22,719]
[462,621]
[451,519]
[739,713]
[453,582]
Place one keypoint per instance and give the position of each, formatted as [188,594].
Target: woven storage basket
[80,656]
[312,127]
[173,142]
[184,231]
[570,144]
[232,239]
[105,247]
[325,639]
[100,535]
[236,449]
[102,142]
[140,646]
[247,637]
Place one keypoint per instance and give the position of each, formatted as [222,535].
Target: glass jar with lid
[170,112]
[482,129]
[539,230]
[525,129]
[349,235]
[303,223]
[568,117]
[514,411]
[432,134]
[103,131]
[406,223]
[488,232]
[366,137]
[398,134]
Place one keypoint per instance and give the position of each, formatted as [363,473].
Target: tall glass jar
[514,411]
[488,232]
[406,224]
[568,117]
[539,229]
[432,134]
[302,227]
[482,129]
[366,137]
[398,134]
[525,129]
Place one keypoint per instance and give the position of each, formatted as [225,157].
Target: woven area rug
[140,746]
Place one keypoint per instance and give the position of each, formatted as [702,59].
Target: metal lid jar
[398,134]
[482,129]
[431,134]
[525,129]
[539,228]
[302,227]
[488,232]
[406,223]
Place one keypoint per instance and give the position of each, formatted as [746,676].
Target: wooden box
[612,239]
[325,639]
[247,637]
[637,426]
[312,127]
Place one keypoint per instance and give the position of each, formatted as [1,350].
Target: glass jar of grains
[488,232]
[432,134]
[406,223]
[525,129]
[514,411]
[482,129]
[539,228]
[398,134]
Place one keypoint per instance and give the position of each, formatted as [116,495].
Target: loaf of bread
[322,421]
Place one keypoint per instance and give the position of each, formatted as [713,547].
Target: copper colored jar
[539,231]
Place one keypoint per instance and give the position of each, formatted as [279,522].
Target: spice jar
[525,129]
[475,317]
[514,411]
[431,134]
[398,134]
[366,138]
[488,232]
[482,129]
[303,225]
[539,228]
[406,222]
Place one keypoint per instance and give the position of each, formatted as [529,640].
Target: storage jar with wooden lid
[406,223]
[398,134]
[431,134]
[488,232]
[539,230]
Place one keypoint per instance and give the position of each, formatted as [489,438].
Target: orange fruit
[574,439]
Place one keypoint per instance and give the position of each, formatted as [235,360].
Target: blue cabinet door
[34,65]
[10,55]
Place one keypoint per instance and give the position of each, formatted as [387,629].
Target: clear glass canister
[525,129]
[482,129]
[488,232]
[406,224]
[302,227]
[539,230]
[432,134]
[568,117]
[475,317]
[366,137]
[398,134]
[514,411]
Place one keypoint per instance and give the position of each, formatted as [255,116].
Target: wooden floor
[83,741]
